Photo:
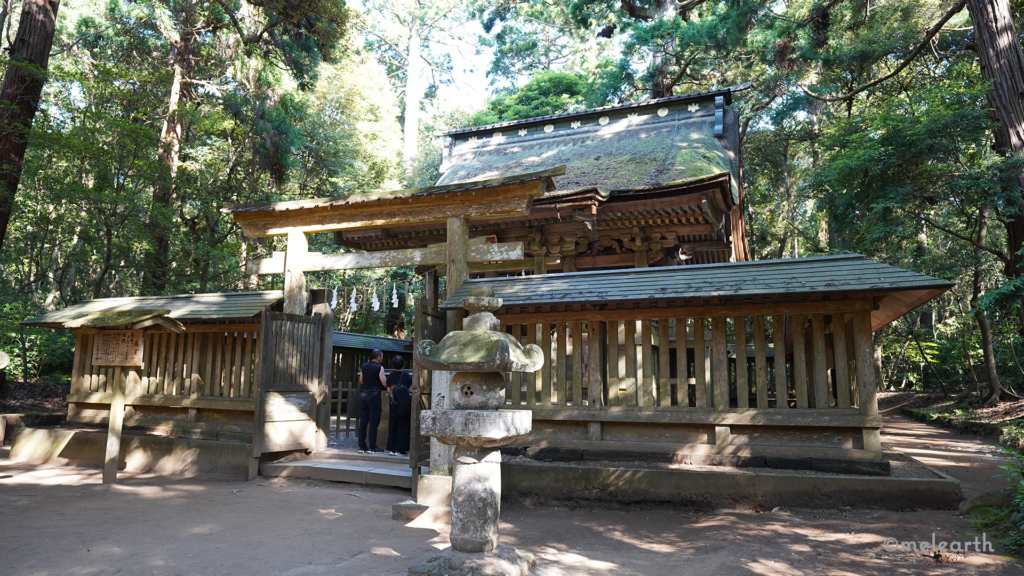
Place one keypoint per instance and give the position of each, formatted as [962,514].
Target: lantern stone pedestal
[477,428]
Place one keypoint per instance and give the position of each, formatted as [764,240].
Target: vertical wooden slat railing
[681,361]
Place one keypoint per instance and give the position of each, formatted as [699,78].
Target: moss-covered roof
[637,147]
[217,306]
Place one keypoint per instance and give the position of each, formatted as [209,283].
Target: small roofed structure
[351,350]
[185,368]
[644,360]
[194,380]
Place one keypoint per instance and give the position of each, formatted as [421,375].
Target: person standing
[400,402]
[371,382]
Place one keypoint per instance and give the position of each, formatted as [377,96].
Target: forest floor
[22,397]
[62,521]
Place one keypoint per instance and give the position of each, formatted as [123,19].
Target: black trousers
[369,419]
[398,432]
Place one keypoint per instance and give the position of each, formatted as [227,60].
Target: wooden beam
[786,308]
[478,203]
[829,418]
[430,256]
[294,273]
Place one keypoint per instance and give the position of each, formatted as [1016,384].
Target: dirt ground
[21,397]
[61,521]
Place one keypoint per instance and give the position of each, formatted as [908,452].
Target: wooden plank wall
[204,361]
[686,358]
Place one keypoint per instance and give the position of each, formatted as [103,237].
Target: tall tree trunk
[1002,64]
[154,278]
[413,96]
[995,387]
[661,84]
[20,94]
[183,46]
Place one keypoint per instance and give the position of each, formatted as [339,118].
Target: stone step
[350,454]
[354,472]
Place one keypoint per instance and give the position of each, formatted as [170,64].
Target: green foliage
[545,94]
[999,525]
[1013,436]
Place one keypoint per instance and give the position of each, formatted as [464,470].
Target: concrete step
[397,475]
[351,454]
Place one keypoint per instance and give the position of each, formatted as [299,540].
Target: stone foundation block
[434,490]
[727,460]
[503,561]
[782,463]
[861,467]
[555,454]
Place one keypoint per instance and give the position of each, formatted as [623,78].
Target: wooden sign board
[118,348]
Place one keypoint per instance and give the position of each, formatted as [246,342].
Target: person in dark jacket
[371,382]
[399,383]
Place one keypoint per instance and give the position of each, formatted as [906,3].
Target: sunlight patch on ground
[772,568]
[331,513]
[50,476]
[644,544]
[558,562]
[383,551]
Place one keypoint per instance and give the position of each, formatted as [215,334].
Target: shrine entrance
[294,404]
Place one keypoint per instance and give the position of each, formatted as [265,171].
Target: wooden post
[115,422]
[820,367]
[664,365]
[866,383]
[742,380]
[457,266]
[568,263]
[842,364]
[430,291]
[720,363]
[540,263]
[700,367]
[760,363]
[779,361]
[640,257]
[799,361]
[294,277]
[595,384]
[322,305]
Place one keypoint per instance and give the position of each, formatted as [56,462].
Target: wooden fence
[202,381]
[661,377]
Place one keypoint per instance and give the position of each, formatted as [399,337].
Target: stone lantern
[477,428]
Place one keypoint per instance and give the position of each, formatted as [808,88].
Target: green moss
[996,524]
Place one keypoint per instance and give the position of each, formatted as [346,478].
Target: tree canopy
[869,127]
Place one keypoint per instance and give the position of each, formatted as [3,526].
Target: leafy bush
[1013,436]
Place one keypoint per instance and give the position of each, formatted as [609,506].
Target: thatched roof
[640,146]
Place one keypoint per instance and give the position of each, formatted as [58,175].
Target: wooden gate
[429,324]
[289,375]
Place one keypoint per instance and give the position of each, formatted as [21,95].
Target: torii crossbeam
[453,204]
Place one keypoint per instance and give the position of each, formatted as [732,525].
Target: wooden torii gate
[452,205]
